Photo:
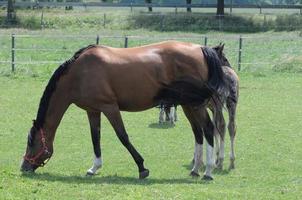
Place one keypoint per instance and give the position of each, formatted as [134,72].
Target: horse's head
[38,151]
[219,50]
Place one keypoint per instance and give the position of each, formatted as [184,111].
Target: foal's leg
[175,114]
[114,116]
[219,133]
[231,105]
[167,112]
[94,121]
[171,115]
[161,115]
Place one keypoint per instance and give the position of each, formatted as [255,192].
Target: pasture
[268,142]
[268,149]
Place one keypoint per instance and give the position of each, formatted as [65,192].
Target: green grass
[268,144]
[200,21]
[268,149]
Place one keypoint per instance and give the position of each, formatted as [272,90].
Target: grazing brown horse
[108,80]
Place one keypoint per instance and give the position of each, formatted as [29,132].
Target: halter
[43,150]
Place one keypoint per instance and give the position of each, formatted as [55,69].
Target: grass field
[268,149]
[268,144]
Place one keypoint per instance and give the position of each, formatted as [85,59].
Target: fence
[244,53]
[230,6]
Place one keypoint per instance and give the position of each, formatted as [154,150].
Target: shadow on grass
[116,180]
[215,171]
[164,125]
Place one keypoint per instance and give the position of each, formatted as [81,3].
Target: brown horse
[102,79]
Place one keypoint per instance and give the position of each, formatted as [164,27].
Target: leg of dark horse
[95,121]
[193,116]
[219,132]
[114,116]
[231,105]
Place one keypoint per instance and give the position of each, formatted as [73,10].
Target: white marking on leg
[171,115]
[210,161]
[97,164]
[175,115]
[161,115]
[197,157]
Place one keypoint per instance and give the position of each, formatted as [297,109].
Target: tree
[189,3]
[11,14]
[150,7]
[220,8]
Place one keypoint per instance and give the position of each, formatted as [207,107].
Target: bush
[288,22]
[292,64]
[197,23]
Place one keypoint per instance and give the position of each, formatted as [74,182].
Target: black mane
[51,86]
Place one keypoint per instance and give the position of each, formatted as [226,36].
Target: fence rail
[155,5]
[23,50]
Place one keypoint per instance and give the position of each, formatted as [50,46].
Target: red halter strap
[43,150]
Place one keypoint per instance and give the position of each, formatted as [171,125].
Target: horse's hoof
[207,178]
[144,174]
[194,174]
[231,167]
[89,173]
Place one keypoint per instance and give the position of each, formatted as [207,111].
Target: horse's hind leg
[208,129]
[114,116]
[192,115]
[94,121]
[201,123]
[231,105]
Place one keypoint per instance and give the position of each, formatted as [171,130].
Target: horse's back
[132,77]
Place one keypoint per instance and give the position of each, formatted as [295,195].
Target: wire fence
[45,52]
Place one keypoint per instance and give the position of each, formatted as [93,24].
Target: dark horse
[106,80]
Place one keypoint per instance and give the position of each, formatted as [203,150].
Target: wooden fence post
[205,40]
[240,53]
[97,39]
[13,52]
[126,42]
[104,23]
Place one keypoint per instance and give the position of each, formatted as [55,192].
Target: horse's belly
[134,102]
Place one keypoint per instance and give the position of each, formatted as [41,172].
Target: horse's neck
[58,104]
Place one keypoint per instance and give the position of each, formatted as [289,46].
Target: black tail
[216,81]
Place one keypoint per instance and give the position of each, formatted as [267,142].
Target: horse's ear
[221,47]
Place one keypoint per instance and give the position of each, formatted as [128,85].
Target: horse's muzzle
[27,167]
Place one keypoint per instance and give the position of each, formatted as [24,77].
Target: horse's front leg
[95,129]
[114,116]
